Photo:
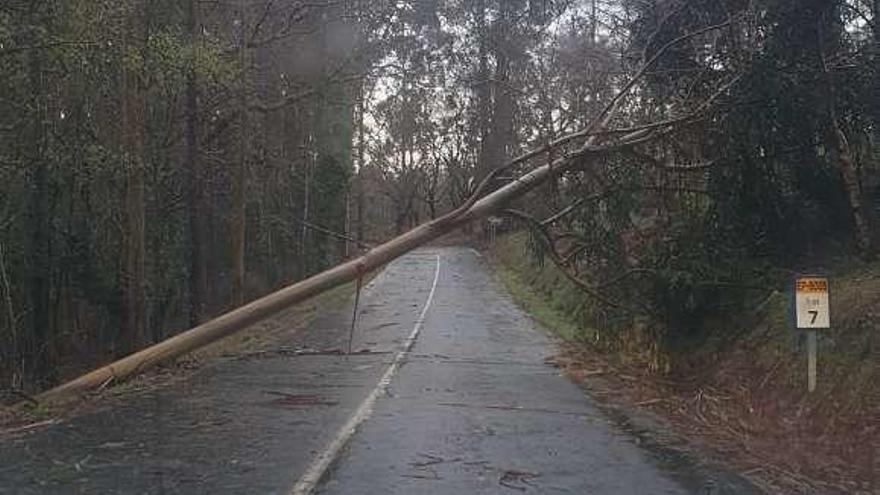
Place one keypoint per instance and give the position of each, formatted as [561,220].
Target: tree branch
[588,288]
[294,98]
[331,233]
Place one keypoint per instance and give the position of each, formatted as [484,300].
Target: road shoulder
[621,394]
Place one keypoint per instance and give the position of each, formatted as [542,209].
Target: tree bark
[239,173]
[361,165]
[346,231]
[875,107]
[503,104]
[850,178]
[484,93]
[198,283]
[304,258]
[133,135]
[38,241]
[876,99]
[838,141]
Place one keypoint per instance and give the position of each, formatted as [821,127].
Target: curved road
[453,397]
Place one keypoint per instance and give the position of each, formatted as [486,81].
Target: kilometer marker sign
[811,313]
[811,303]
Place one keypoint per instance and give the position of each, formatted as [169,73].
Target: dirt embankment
[741,399]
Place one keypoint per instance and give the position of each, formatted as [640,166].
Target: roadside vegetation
[674,263]
[740,387]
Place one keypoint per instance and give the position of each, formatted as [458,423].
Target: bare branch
[554,255]
[565,211]
[331,233]
[604,117]
[296,97]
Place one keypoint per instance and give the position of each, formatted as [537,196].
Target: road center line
[319,465]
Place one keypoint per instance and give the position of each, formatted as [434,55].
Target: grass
[542,291]
[539,307]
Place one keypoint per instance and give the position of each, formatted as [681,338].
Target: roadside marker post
[812,312]
[494,223]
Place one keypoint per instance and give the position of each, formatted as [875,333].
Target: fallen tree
[240,318]
[565,154]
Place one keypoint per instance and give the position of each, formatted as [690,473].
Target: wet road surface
[453,398]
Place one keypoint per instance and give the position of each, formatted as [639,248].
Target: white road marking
[477,253]
[309,480]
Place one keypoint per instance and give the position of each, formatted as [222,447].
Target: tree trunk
[198,283]
[38,242]
[484,94]
[876,99]
[239,173]
[502,111]
[304,214]
[346,243]
[875,108]
[851,186]
[838,141]
[360,211]
[593,24]
[134,246]
[12,354]
[361,165]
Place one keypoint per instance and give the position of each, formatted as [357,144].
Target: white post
[811,360]
[812,312]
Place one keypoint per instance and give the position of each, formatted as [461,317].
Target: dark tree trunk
[198,284]
[239,173]
[875,101]
[133,134]
[38,242]
[828,42]
[361,156]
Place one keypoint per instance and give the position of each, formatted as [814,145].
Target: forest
[165,161]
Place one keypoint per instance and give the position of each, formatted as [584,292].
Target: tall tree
[239,173]
[196,234]
[483,90]
[39,236]
[132,128]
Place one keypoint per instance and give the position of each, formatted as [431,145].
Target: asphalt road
[453,397]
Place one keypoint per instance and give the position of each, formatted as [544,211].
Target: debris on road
[433,460]
[286,399]
[515,479]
